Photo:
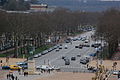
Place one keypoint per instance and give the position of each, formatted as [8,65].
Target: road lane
[55,58]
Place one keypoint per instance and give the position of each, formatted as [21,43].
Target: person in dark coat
[19,71]
[12,77]
[16,78]
[7,76]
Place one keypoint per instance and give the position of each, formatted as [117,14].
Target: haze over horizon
[83,5]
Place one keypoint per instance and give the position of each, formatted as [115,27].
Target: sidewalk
[29,77]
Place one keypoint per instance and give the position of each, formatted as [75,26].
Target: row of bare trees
[34,28]
[109,28]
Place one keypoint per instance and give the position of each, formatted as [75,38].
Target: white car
[36,56]
[115,72]
[39,54]
[66,46]
[44,67]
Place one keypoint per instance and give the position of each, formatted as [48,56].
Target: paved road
[55,58]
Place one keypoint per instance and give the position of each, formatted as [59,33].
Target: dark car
[76,46]
[78,55]
[95,45]
[67,41]
[84,61]
[6,67]
[86,45]
[67,62]
[73,58]
[60,47]
[63,57]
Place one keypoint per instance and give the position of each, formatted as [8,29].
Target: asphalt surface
[54,58]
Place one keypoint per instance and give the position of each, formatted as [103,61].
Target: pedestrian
[87,65]
[71,42]
[7,76]
[1,62]
[49,71]
[23,70]
[19,71]
[25,73]
[12,77]
[16,78]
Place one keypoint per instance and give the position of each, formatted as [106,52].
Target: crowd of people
[10,76]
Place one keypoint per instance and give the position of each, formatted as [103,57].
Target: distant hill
[83,5]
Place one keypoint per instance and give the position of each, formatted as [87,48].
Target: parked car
[115,72]
[6,67]
[57,50]
[44,52]
[39,54]
[36,56]
[22,64]
[15,67]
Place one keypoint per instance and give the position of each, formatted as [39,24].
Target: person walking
[16,78]
[7,76]
[12,77]
[19,71]
[1,62]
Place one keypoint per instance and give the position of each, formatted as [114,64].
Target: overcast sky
[110,0]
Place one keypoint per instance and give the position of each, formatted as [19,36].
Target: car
[36,56]
[67,41]
[115,72]
[73,58]
[44,67]
[92,54]
[60,44]
[55,68]
[54,47]
[50,49]
[57,50]
[22,64]
[60,47]
[76,46]
[67,62]
[86,41]
[84,61]
[44,52]
[86,45]
[95,45]
[66,47]
[15,67]
[5,67]
[78,55]
[64,58]
[39,55]
[80,46]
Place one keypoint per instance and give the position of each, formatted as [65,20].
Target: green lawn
[38,50]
